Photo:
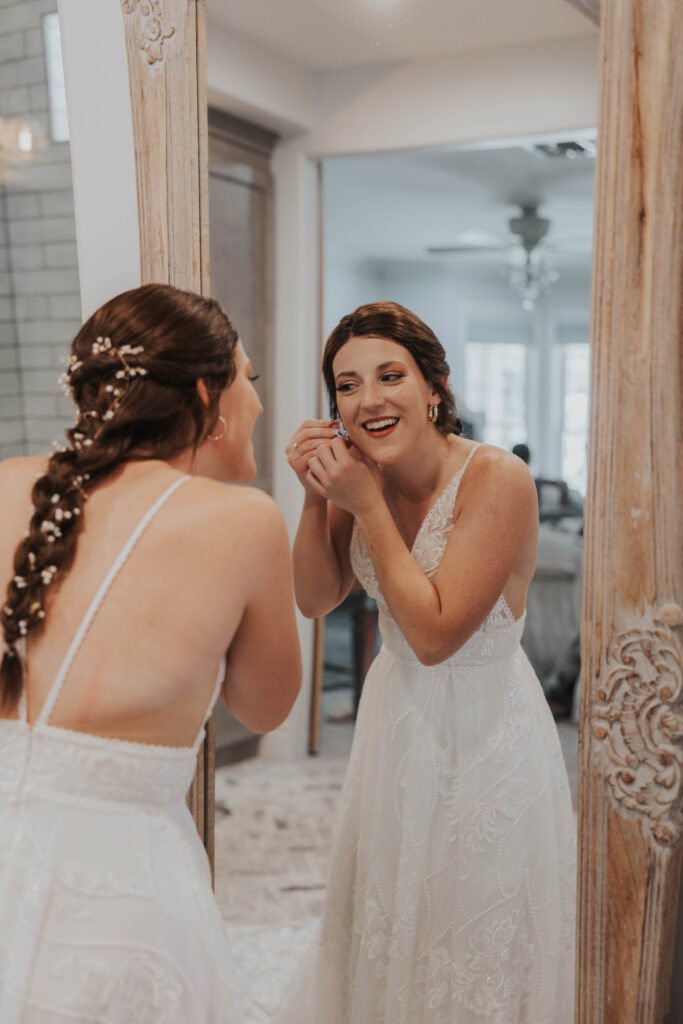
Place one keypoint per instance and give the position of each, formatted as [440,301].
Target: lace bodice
[497,636]
[71,767]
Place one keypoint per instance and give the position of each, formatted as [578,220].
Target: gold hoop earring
[219,437]
[433,413]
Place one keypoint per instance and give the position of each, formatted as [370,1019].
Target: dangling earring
[433,413]
[219,437]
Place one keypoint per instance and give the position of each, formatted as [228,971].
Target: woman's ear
[436,397]
[203,393]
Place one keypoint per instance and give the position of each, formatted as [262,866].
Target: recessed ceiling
[321,34]
[397,205]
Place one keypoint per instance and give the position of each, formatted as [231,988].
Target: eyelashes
[387,378]
[254,376]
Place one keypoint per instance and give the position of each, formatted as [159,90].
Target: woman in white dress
[451,893]
[139,571]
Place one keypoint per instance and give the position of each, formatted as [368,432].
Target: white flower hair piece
[50,529]
[103,345]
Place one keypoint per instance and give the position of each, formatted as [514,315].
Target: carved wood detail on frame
[152,30]
[638,722]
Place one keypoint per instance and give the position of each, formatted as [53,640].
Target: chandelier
[532,279]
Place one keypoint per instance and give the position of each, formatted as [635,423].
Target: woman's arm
[497,514]
[322,570]
[263,668]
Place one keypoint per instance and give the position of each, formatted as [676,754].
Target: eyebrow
[382,366]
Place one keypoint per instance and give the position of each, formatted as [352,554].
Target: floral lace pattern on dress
[453,877]
[427,550]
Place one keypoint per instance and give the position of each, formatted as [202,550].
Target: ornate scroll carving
[638,721]
[152,31]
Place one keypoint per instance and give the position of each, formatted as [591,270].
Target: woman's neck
[416,478]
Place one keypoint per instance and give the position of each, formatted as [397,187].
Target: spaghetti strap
[86,622]
[457,479]
[476,448]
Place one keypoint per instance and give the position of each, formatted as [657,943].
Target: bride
[138,571]
[451,893]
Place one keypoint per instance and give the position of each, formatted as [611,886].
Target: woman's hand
[305,442]
[342,474]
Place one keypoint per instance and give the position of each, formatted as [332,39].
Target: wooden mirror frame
[631,762]
[631,755]
[166,51]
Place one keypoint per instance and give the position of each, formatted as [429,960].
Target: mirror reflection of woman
[132,570]
[451,893]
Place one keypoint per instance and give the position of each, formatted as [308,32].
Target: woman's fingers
[323,430]
[299,459]
[304,444]
[315,485]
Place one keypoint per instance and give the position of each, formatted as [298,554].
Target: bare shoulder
[499,476]
[22,467]
[246,510]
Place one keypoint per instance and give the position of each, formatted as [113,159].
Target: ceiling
[395,205]
[324,34]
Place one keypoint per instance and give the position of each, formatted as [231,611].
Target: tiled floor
[274,827]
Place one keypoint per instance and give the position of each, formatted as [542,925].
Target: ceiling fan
[527,230]
[529,276]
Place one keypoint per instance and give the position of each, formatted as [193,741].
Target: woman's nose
[372,396]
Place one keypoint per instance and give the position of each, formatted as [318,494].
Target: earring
[433,413]
[219,437]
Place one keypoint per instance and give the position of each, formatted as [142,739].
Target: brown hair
[133,375]
[396,323]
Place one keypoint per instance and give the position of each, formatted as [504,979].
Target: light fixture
[24,139]
[532,279]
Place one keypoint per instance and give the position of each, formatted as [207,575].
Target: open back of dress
[106,908]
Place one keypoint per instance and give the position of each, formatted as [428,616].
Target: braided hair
[133,375]
[396,323]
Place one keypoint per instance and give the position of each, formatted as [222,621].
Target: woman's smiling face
[382,397]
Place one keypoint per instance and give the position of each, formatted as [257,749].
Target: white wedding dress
[452,889]
[106,909]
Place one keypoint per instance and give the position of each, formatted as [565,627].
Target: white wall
[490,94]
[39,288]
[251,82]
[496,94]
[102,154]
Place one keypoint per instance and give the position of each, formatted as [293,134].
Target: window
[55,78]
[532,389]
[575,370]
[496,386]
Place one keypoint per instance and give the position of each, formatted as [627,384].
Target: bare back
[146,668]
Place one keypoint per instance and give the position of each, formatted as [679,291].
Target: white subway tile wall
[39,294]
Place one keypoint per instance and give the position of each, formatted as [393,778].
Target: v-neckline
[437,499]
[431,508]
